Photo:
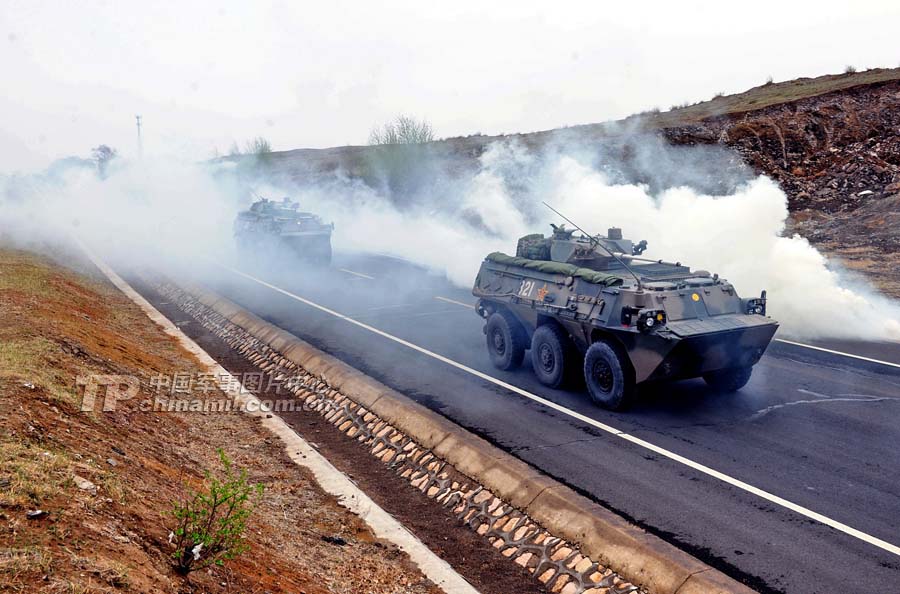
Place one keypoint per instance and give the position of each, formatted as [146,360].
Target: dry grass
[26,360]
[103,571]
[16,563]
[19,273]
[24,357]
[767,95]
[35,474]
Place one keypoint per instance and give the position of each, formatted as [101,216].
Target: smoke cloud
[738,234]
[697,206]
[138,214]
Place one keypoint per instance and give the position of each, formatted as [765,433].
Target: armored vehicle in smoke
[592,305]
[276,227]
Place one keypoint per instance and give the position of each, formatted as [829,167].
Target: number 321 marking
[526,288]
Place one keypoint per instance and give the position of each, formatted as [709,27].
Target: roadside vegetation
[768,94]
[402,129]
[254,146]
[211,522]
[399,160]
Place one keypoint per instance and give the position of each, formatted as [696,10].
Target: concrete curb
[638,556]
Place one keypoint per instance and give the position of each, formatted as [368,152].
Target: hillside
[831,142]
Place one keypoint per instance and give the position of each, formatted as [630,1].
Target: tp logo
[118,387]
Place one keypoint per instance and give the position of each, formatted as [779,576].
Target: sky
[204,75]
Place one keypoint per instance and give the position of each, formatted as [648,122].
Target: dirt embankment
[105,481]
[830,153]
[837,157]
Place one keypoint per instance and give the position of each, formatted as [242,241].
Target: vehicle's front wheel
[608,377]
[506,340]
[728,380]
[550,355]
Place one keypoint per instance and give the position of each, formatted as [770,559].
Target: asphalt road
[815,428]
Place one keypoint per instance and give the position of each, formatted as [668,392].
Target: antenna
[137,119]
[596,243]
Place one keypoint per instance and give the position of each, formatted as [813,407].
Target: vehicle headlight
[650,319]
[756,306]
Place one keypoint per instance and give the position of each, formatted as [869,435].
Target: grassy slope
[771,94]
[56,324]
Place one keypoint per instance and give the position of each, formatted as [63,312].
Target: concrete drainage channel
[565,541]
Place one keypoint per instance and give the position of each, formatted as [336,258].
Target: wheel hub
[546,358]
[499,342]
[603,375]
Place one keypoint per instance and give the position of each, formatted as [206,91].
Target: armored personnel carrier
[591,305]
[277,226]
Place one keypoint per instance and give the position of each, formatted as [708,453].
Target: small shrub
[211,523]
[849,69]
[719,94]
[399,159]
[770,80]
[258,146]
[402,130]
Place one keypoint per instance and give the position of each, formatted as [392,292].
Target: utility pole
[140,143]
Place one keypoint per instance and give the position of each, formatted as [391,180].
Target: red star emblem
[542,292]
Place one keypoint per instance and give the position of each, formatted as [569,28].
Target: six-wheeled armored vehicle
[591,305]
[276,227]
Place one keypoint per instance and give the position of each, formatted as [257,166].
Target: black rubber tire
[506,340]
[608,378]
[551,355]
[728,380]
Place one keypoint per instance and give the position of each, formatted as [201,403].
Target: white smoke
[146,210]
[140,213]
[738,236]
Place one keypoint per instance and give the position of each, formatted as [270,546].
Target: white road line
[380,307]
[393,257]
[824,350]
[891,548]
[454,301]
[359,274]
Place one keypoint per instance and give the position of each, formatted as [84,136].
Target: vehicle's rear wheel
[505,340]
[608,377]
[550,354]
[728,380]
